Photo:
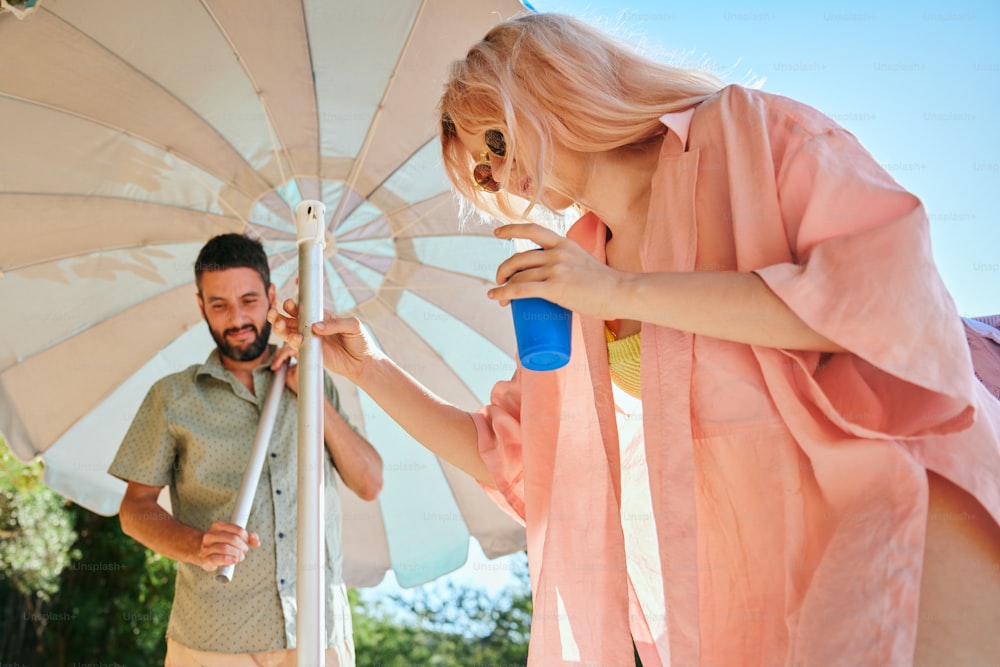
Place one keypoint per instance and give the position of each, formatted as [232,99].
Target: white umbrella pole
[310,221]
[248,487]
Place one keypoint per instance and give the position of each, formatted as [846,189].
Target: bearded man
[193,434]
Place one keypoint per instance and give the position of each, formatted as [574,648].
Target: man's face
[234,303]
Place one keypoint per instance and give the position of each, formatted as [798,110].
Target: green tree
[117,596]
[36,537]
[74,588]
[445,626]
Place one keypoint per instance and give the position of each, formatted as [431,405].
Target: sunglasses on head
[482,172]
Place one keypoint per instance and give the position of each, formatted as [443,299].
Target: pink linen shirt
[788,489]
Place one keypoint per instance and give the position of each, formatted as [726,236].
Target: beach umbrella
[134,130]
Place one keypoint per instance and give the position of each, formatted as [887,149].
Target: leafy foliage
[117,596]
[74,588]
[36,537]
[445,626]
[35,527]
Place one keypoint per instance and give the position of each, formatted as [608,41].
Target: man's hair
[232,251]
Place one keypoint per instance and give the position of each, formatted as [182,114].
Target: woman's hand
[561,272]
[346,347]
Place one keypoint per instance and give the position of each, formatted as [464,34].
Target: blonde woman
[807,473]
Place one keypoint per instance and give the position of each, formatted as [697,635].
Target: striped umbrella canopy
[135,130]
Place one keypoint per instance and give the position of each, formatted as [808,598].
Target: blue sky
[918,83]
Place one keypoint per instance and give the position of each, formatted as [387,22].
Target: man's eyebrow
[242,296]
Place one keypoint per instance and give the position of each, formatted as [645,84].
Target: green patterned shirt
[194,433]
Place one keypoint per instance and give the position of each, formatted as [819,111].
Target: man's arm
[145,521]
[359,465]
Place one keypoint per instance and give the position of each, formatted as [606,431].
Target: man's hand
[225,544]
[143,519]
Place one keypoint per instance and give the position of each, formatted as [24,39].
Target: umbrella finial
[310,221]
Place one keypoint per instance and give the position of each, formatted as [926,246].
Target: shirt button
[282,582]
[281,535]
[273,455]
[278,492]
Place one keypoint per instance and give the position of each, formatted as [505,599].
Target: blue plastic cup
[543,332]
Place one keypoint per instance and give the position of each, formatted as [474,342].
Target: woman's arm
[733,306]
[439,426]
[723,304]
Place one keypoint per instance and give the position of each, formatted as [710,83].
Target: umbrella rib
[129,246]
[186,326]
[166,149]
[351,261]
[218,195]
[352,177]
[483,282]
[193,168]
[277,147]
[387,215]
[420,218]
[49,260]
[396,234]
[400,338]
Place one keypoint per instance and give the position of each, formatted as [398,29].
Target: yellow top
[623,357]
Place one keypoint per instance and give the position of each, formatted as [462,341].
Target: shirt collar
[679,122]
[213,365]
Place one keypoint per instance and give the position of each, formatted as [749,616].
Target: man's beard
[248,353]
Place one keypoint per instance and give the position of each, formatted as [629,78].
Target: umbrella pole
[248,487]
[311,563]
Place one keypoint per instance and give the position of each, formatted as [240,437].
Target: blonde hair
[545,79]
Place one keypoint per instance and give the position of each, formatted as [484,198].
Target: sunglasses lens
[496,143]
[482,174]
